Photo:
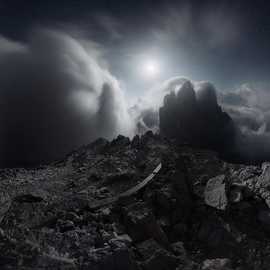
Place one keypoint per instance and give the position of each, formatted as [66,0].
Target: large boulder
[217,264]
[215,192]
[142,225]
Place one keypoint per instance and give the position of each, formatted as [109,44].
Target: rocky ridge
[195,212]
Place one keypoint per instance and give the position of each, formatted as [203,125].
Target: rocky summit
[145,203]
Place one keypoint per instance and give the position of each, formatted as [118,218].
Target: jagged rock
[217,264]
[236,195]
[215,193]
[141,224]
[161,260]
[48,221]
[65,226]
[5,203]
[196,118]
[179,250]
[135,143]
[148,248]
[120,141]
[119,258]
[264,179]
[183,203]
[164,200]
[125,238]
[216,234]
[73,217]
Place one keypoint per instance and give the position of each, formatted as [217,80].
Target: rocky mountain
[146,204]
[197,118]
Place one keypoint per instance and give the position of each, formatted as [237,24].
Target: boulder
[148,248]
[236,195]
[161,260]
[142,225]
[215,193]
[217,264]
[5,203]
[217,236]
[264,179]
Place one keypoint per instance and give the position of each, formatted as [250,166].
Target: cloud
[55,95]
[238,120]
[249,107]
[216,25]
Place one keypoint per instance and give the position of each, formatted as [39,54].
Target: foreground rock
[197,212]
[215,192]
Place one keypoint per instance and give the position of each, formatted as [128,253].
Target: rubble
[217,264]
[139,204]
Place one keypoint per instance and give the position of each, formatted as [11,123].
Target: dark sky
[226,42]
[74,71]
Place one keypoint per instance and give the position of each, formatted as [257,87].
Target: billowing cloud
[247,138]
[249,107]
[55,95]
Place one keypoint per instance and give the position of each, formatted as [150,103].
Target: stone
[124,238]
[215,193]
[264,178]
[148,248]
[179,250]
[217,264]
[5,203]
[163,200]
[161,260]
[141,224]
[120,141]
[181,191]
[66,225]
[236,195]
[135,143]
[73,217]
[216,234]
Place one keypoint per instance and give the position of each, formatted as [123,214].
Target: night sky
[226,42]
[73,71]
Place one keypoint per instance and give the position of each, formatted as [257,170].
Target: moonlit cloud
[248,106]
[55,95]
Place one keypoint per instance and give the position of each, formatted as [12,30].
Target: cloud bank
[55,95]
[247,138]
[249,107]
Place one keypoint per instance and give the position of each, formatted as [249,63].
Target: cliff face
[196,118]
[140,204]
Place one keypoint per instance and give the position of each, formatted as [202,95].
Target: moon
[151,68]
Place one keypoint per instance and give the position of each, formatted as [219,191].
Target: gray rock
[217,264]
[5,203]
[148,248]
[264,178]
[161,260]
[141,224]
[236,195]
[215,193]
[217,235]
